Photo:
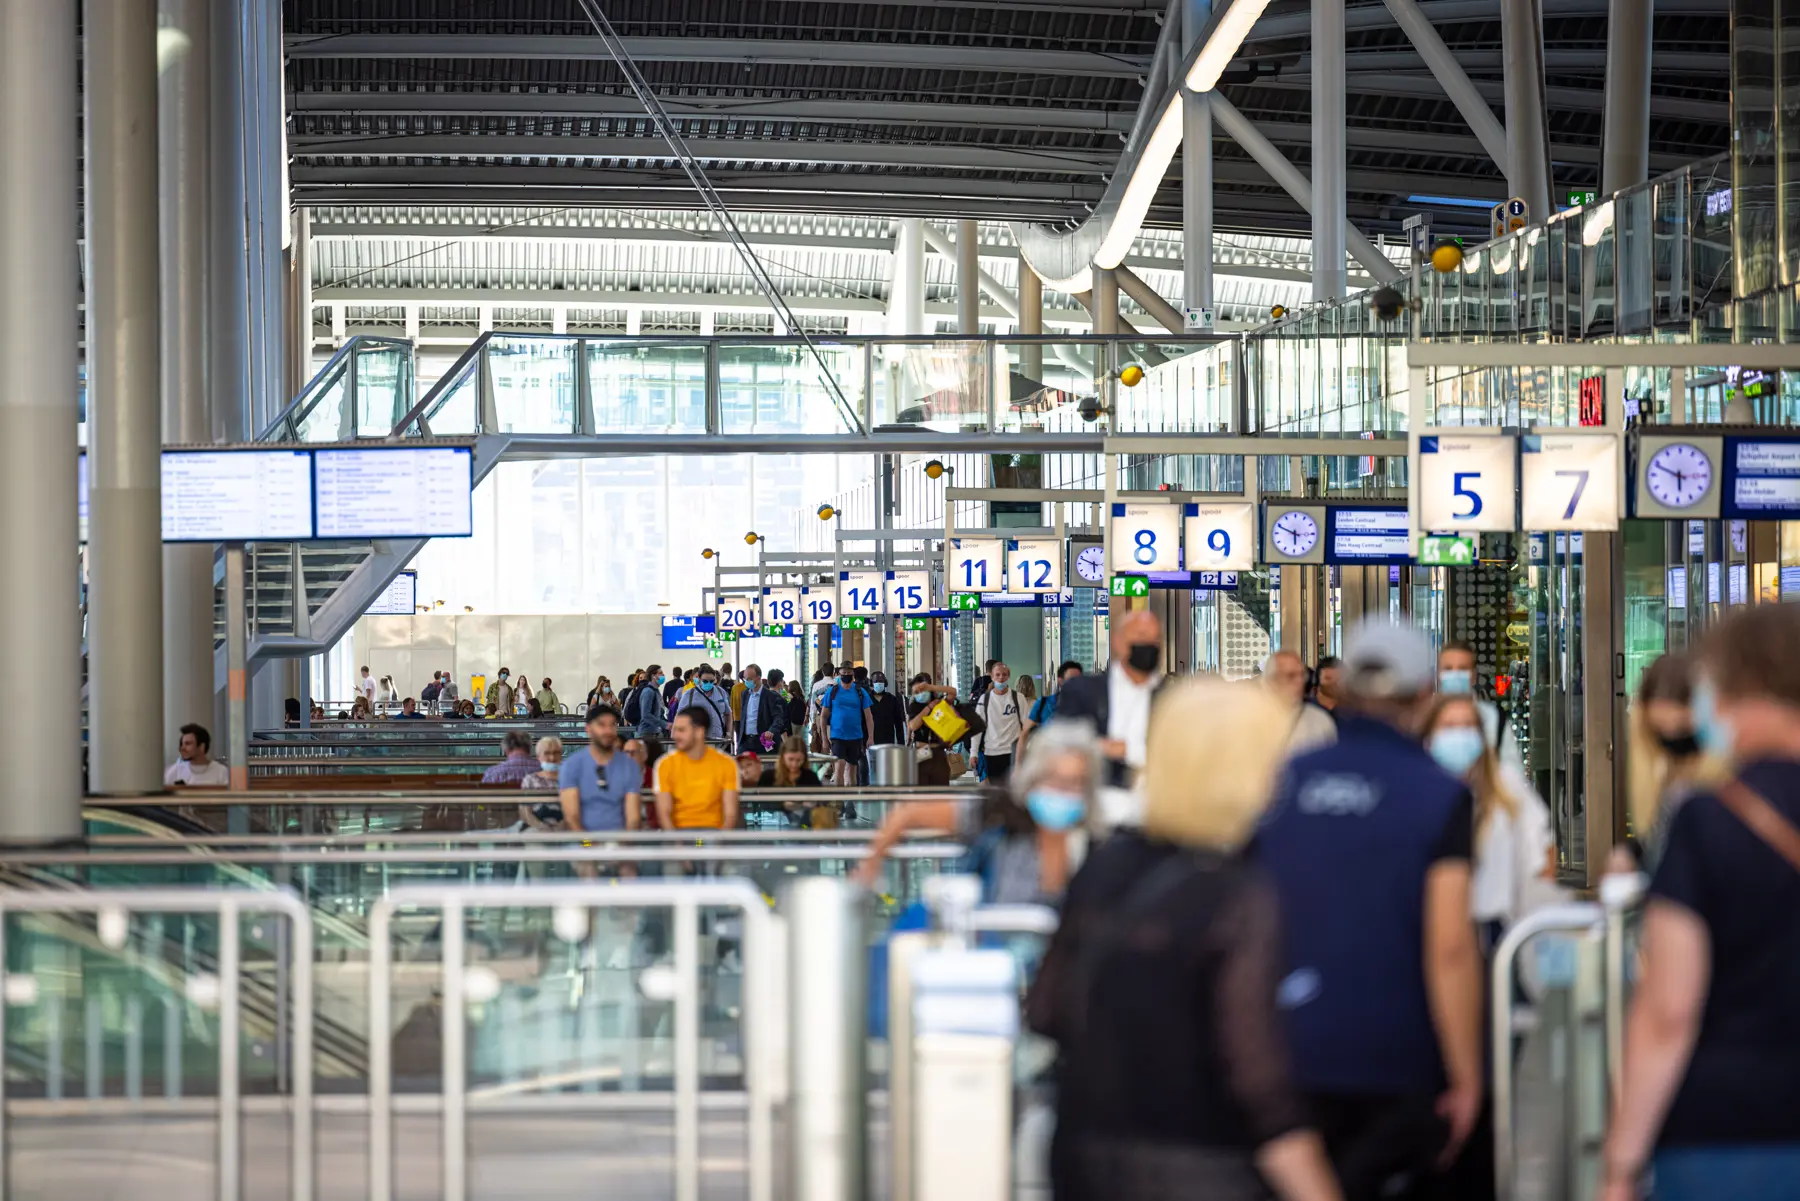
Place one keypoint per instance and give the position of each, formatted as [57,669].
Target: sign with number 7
[1569,481]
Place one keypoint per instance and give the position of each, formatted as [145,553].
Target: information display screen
[1366,535]
[399,597]
[236,495]
[1762,478]
[395,492]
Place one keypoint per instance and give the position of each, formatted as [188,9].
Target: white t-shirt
[368,688]
[1000,710]
[1128,720]
[1509,853]
[213,775]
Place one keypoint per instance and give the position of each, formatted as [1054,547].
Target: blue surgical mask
[919,698]
[503,675]
[706,685]
[1455,682]
[1715,733]
[1456,748]
[1053,810]
[878,686]
[662,679]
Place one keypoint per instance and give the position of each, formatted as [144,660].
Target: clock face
[1679,475]
[1090,564]
[1295,533]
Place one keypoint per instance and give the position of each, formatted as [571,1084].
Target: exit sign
[1591,393]
[853,623]
[915,623]
[774,631]
[1128,585]
[728,636]
[1577,199]
[965,602]
[1443,550]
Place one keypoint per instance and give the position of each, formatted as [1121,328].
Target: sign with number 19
[1146,538]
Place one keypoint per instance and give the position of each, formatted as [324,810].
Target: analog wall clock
[1294,534]
[1090,564]
[1679,475]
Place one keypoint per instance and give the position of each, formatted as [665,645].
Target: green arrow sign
[965,602]
[774,631]
[915,623]
[1128,585]
[1446,550]
[853,623]
[728,636]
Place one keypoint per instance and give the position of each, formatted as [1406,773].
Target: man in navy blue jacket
[1369,844]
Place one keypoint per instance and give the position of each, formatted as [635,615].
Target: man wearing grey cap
[1368,843]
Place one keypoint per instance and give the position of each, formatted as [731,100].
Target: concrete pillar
[228,378]
[1031,321]
[1105,303]
[184,112]
[1330,208]
[968,278]
[125,688]
[40,796]
[1196,175]
[906,302]
[1625,143]
[1527,133]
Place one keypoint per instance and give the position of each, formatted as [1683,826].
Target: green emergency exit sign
[1445,550]
[1128,585]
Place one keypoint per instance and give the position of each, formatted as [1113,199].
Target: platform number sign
[859,593]
[1219,537]
[780,606]
[908,592]
[976,565]
[1146,538]
[818,606]
[1467,482]
[736,614]
[1569,481]
[1034,565]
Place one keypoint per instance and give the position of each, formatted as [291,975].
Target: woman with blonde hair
[1665,764]
[1160,985]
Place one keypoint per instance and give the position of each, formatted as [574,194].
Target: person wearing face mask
[1710,1100]
[705,693]
[763,723]
[1456,677]
[887,716]
[1665,765]
[844,713]
[1000,712]
[500,693]
[934,765]
[1115,704]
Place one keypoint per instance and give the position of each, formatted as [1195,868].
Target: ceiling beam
[1295,21]
[721,108]
[1283,129]
[1585,100]
[989,60]
[941,156]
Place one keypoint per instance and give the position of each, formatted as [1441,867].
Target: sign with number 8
[1146,538]
[1219,536]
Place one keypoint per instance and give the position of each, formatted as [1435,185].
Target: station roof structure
[1007,109]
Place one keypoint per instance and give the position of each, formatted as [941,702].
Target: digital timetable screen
[1366,535]
[395,492]
[236,495]
[1762,478]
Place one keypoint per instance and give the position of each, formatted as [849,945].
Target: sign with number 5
[1146,538]
[1219,536]
[1569,481]
[1467,481]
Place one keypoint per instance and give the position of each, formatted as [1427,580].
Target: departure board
[1355,535]
[395,492]
[236,495]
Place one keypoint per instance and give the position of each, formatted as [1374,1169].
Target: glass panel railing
[648,387]
[944,385]
[360,392]
[1039,385]
[772,387]
[532,381]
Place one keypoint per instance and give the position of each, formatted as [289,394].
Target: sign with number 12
[1034,565]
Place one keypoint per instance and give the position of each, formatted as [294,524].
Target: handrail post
[715,415]
[347,426]
[487,413]
[828,1132]
[584,392]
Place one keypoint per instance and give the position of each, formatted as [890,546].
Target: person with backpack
[844,714]
[999,709]
[428,695]
[706,693]
[1044,708]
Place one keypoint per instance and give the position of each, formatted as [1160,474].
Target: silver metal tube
[687,1051]
[1134,286]
[1625,140]
[1293,181]
[906,302]
[381,1054]
[300,1071]
[1527,133]
[1196,174]
[1330,170]
[455,1059]
[184,112]
[125,718]
[237,668]
[228,370]
[1104,301]
[40,800]
[231,1034]
[1455,82]
[828,1121]
[968,278]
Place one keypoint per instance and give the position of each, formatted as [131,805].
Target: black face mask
[1681,746]
[1144,656]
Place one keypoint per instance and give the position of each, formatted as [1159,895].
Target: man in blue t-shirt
[844,708]
[600,783]
[1368,843]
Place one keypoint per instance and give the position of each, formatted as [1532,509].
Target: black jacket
[771,713]
[1087,696]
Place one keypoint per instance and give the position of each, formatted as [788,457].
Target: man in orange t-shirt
[696,785]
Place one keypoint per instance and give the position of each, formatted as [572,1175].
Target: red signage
[1593,400]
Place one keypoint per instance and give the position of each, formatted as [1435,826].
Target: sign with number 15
[1146,538]
[1219,537]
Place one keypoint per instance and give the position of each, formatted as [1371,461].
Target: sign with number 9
[1219,536]
[1146,538]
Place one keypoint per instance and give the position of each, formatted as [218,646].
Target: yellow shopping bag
[943,720]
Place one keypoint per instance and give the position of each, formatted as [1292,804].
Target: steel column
[1527,134]
[1625,142]
[1455,81]
[228,298]
[1164,313]
[906,303]
[40,798]
[1031,321]
[827,1116]
[1330,166]
[1196,174]
[1104,301]
[125,686]
[968,278]
[184,113]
